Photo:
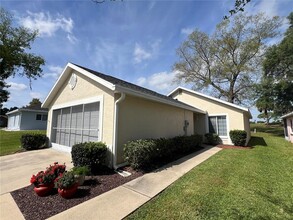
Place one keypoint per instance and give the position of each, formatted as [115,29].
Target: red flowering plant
[48,176]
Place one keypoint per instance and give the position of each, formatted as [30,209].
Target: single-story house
[288,126]
[220,117]
[27,119]
[85,105]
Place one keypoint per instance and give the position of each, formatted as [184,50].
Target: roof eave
[287,115]
[212,98]
[13,111]
[157,99]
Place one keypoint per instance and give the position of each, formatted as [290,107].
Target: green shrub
[238,137]
[141,154]
[33,141]
[91,154]
[189,143]
[212,138]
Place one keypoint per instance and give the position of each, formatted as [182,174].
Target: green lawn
[10,140]
[233,184]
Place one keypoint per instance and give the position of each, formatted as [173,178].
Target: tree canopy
[35,103]
[15,43]
[227,63]
[276,86]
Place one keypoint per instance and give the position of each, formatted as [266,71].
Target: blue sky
[132,40]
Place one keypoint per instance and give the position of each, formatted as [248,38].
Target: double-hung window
[218,125]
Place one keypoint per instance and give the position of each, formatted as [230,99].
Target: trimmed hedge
[238,137]
[141,154]
[91,154]
[34,141]
[212,138]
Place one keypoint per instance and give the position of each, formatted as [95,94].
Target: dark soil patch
[35,207]
[234,147]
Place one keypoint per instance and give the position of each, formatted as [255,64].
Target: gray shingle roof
[132,86]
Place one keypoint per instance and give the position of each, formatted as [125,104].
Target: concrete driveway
[17,169]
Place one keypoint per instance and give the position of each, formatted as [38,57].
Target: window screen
[76,124]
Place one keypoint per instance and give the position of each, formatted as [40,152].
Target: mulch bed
[35,207]
[234,147]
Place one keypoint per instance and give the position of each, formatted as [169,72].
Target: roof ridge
[132,86]
[88,69]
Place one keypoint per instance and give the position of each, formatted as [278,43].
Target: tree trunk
[267,117]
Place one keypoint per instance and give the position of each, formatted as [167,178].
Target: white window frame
[227,123]
[85,101]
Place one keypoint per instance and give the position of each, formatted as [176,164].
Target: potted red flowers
[66,184]
[44,180]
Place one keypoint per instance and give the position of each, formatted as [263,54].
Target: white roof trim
[67,70]
[157,99]
[212,98]
[26,110]
[287,115]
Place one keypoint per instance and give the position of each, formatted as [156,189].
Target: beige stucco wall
[84,89]
[141,118]
[236,119]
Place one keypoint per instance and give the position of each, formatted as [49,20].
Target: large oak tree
[227,62]
[275,92]
[15,43]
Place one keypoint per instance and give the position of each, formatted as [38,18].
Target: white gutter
[115,135]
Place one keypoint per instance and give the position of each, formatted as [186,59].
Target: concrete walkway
[114,204]
[16,171]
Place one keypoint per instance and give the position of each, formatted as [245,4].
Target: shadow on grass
[254,141]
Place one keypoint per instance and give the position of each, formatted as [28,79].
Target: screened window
[218,125]
[76,124]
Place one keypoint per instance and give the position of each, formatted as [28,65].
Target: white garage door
[76,124]
[13,122]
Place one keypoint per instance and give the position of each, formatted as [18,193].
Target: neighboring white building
[27,119]
[288,126]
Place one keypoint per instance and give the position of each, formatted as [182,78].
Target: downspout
[115,134]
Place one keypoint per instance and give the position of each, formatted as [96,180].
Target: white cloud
[186,31]
[47,25]
[141,81]
[36,95]
[72,39]
[53,71]
[17,86]
[160,82]
[140,54]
